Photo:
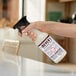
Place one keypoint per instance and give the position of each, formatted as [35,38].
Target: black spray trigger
[22,22]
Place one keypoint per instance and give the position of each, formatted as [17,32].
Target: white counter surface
[18,66]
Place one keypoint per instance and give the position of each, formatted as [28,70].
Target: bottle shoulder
[40,38]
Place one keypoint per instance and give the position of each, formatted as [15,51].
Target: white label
[51,48]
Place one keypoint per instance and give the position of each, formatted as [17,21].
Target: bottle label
[51,48]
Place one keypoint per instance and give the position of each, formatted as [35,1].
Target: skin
[57,28]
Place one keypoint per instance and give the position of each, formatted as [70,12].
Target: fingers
[25,30]
[19,34]
[31,35]
[35,25]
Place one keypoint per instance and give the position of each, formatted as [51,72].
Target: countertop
[11,65]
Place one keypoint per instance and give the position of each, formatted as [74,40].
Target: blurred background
[43,10]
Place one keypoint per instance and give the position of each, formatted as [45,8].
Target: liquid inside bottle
[45,42]
[49,46]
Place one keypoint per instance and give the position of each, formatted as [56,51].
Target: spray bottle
[45,42]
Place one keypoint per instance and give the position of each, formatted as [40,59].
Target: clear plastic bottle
[49,46]
[45,42]
[74,18]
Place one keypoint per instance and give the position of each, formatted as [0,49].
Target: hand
[40,25]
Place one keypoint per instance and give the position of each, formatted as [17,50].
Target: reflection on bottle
[74,18]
